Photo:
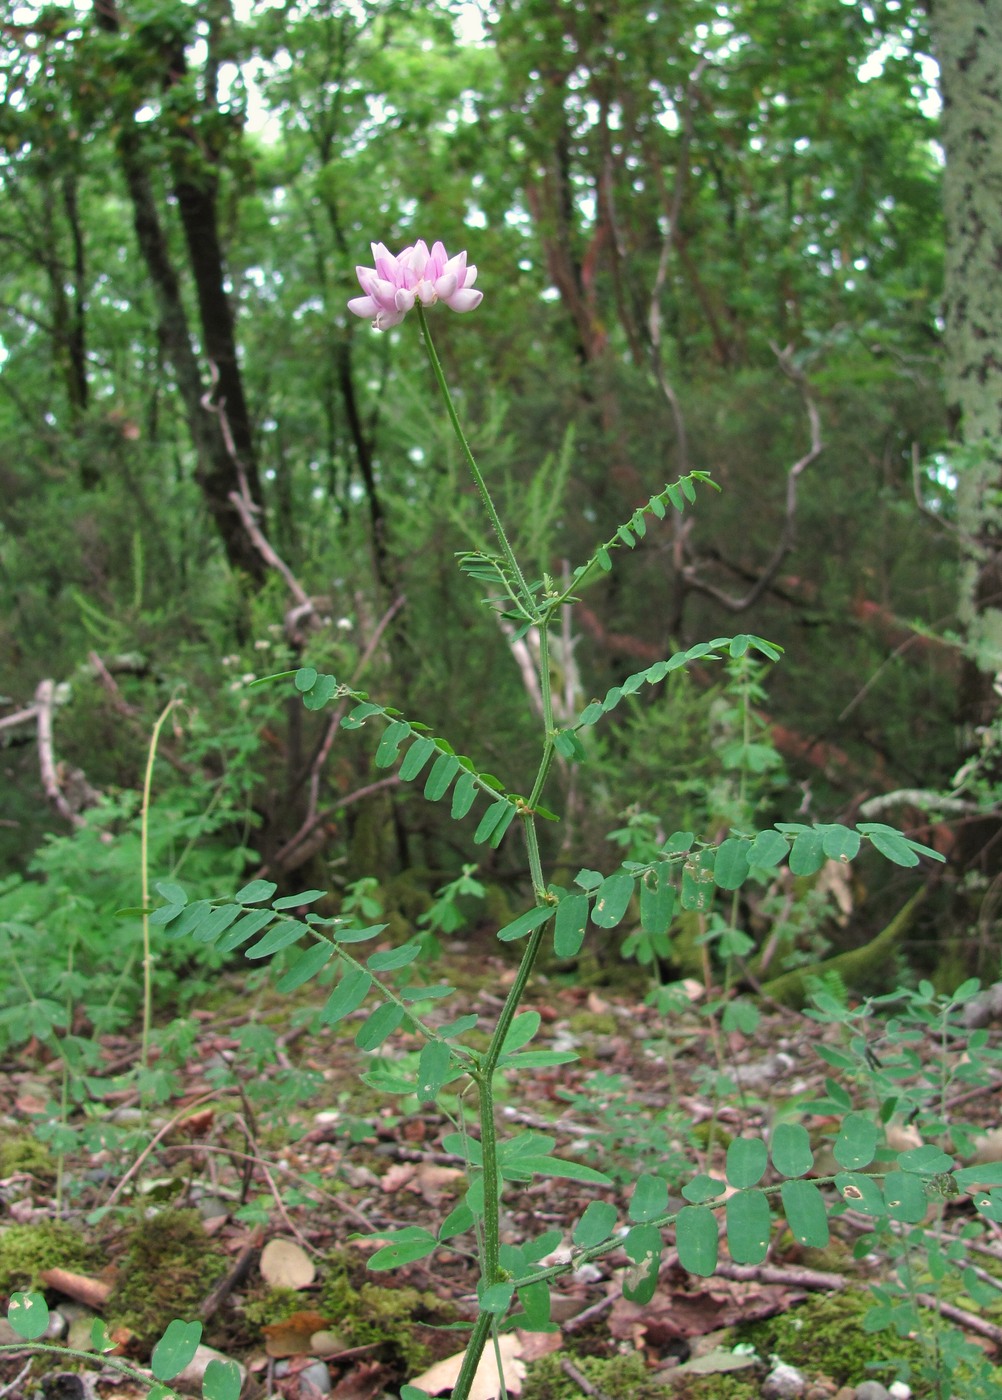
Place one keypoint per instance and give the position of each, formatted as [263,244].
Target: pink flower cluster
[393,286]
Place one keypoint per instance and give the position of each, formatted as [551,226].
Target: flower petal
[464,300]
[364,306]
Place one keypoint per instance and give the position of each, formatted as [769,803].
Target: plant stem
[144,845]
[436,365]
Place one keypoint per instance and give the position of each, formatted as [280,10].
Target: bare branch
[787,535]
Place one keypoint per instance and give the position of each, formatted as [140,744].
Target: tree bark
[219,471]
[967,38]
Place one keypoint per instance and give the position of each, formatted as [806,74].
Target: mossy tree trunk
[967,36]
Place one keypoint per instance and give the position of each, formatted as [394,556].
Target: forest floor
[253,1197]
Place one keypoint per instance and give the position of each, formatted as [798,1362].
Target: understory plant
[676,872]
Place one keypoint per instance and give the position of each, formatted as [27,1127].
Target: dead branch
[787,535]
[45,700]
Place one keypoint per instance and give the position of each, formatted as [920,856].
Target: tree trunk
[224,452]
[967,38]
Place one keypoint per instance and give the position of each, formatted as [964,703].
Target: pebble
[315,1379]
[783,1383]
[872,1390]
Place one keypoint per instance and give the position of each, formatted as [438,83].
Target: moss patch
[825,1336]
[23,1153]
[365,1314]
[618,1377]
[25,1250]
[168,1267]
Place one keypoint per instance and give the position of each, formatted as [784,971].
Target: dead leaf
[292,1337]
[486,1383]
[400,1174]
[285,1264]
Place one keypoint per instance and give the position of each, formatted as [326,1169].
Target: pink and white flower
[395,283]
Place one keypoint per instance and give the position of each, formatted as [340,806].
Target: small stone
[872,1390]
[191,1378]
[314,1380]
[900,1391]
[784,1383]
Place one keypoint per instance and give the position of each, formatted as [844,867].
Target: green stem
[491,1272]
[436,365]
[144,854]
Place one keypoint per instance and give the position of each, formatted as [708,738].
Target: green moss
[593,1023]
[618,1377]
[272,1305]
[25,1250]
[825,1336]
[365,1314]
[168,1267]
[24,1153]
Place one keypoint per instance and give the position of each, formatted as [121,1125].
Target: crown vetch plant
[394,285]
[682,872]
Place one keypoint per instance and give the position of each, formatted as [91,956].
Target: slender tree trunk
[219,470]
[967,36]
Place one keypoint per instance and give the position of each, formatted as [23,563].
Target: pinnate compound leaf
[839,842]
[443,770]
[526,923]
[987,1174]
[392,959]
[497,1298]
[175,1349]
[462,795]
[643,1247]
[807,855]
[703,1188]
[988,1204]
[657,900]
[747,1159]
[222,1380]
[857,1143]
[768,849]
[491,819]
[406,1246]
[696,1240]
[649,1199]
[434,1066]
[520,1032]
[283,935]
[175,894]
[320,692]
[791,1149]
[905,1197]
[393,737]
[294,901]
[596,1225]
[612,899]
[379,1026]
[804,1208]
[748,1226]
[307,965]
[926,1160]
[861,1193]
[570,925]
[28,1314]
[535,1301]
[251,923]
[347,996]
[416,757]
[255,892]
[731,867]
